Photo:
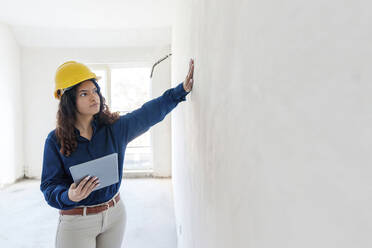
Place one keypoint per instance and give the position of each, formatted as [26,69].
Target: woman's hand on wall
[85,187]
[187,84]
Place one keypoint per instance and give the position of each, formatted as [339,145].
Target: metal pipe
[152,70]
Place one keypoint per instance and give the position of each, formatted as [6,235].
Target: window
[125,89]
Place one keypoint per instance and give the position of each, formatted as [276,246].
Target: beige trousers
[103,230]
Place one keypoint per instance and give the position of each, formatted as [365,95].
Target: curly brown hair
[66,117]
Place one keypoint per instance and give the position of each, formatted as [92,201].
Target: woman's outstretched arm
[152,112]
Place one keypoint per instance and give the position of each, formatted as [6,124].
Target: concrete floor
[26,220]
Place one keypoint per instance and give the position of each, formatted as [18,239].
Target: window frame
[107,67]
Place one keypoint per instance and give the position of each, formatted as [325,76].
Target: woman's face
[87,98]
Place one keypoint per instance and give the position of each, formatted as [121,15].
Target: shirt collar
[94,124]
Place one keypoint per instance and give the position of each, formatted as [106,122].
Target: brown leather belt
[90,210]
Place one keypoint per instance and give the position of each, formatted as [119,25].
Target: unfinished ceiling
[93,23]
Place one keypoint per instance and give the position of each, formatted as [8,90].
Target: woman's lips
[94,105]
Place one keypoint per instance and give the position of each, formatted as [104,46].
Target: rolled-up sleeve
[54,181]
[140,120]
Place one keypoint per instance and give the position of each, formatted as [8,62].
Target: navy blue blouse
[106,139]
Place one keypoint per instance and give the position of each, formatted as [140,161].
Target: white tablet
[106,168]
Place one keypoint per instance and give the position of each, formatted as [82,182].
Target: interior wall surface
[271,148]
[161,134]
[11,126]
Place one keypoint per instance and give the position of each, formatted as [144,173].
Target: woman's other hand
[85,187]
[187,84]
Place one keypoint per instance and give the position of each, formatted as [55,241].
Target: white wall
[11,128]
[39,66]
[272,147]
[161,133]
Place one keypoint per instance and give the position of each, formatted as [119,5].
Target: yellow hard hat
[69,74]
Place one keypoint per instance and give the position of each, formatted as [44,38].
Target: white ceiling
[89,23]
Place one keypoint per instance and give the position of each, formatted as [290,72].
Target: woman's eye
[82,94]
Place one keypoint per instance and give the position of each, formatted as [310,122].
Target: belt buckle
[108,205]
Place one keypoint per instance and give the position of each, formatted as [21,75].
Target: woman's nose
[94,98]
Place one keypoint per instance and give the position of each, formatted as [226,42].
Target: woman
[87,130]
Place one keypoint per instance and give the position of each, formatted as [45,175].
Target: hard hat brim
[56,96]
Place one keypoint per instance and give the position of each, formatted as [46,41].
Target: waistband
[92,209]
